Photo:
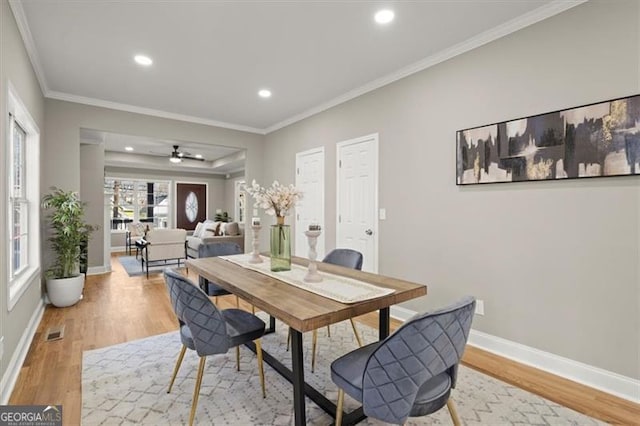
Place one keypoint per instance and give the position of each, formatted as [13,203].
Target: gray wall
[62,149]
[92,176]
[555,262]
[15,67]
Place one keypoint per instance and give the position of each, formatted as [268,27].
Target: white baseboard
[119,249]
[588,375]
[400,313]
[98,270]
[598,378]
[15,364]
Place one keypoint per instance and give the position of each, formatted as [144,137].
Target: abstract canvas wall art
[601,139]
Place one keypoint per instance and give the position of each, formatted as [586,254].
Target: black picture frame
[601,139]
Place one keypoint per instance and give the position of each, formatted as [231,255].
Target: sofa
[214,232]
[163,245]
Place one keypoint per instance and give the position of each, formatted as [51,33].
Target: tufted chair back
[194,309]
[344,257]
[424,347]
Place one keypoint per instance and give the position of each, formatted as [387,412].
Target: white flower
[276,200]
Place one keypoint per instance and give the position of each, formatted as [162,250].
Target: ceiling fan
[177,156]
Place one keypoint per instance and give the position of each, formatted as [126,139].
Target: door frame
[339,146]
[299,155]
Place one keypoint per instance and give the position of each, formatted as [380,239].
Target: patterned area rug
[127,384]
[133,266]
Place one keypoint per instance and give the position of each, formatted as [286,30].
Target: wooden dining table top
[298,308]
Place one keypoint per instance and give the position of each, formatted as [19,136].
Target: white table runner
[336,287]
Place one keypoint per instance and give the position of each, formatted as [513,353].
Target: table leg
[383,330]
[298,378]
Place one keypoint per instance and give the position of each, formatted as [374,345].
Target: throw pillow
[198,231]
[232,228]
[207,224]
[209,232]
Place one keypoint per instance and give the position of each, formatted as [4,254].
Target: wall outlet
[383,214]
[480,307]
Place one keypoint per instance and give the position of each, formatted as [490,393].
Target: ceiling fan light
[175,160]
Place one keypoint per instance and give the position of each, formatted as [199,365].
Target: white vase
[65,292]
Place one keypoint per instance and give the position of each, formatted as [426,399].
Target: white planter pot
[65,292]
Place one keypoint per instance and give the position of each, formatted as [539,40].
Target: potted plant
[222,217]
[69,233]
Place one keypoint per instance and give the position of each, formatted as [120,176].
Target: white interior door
[357,202]
[310,180]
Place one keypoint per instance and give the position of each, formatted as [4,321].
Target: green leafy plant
[68,231]
[222,217]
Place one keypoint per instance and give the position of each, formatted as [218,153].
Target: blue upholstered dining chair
[214,250]
[411,372]
[208,330]
[349,259]
[345,257]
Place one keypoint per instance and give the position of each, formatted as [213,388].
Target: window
[18,203]
[134,200]
[22,196]
[240,201]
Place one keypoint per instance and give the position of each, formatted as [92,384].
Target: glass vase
[280,248]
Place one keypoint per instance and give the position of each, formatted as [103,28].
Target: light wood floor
[117,308]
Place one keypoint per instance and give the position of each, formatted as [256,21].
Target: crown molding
[553,8]
[543,12]
[27,38]
[149,111]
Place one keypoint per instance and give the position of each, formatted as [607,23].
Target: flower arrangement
[277,200]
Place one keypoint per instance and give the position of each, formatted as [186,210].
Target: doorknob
[368,232]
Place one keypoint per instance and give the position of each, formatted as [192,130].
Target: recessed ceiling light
[198,155]
[264,93]
[128,148]
[143,60]
[384,16]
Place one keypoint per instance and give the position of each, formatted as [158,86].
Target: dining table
[303,311]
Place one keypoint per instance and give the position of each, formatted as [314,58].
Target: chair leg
[196,391]
[454,413]
[216,299]
[339,407]
[177,367]
[329,331]
[288,340]
[314,343]
[260,366]
[238,358]
[355,331]
[237,302]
